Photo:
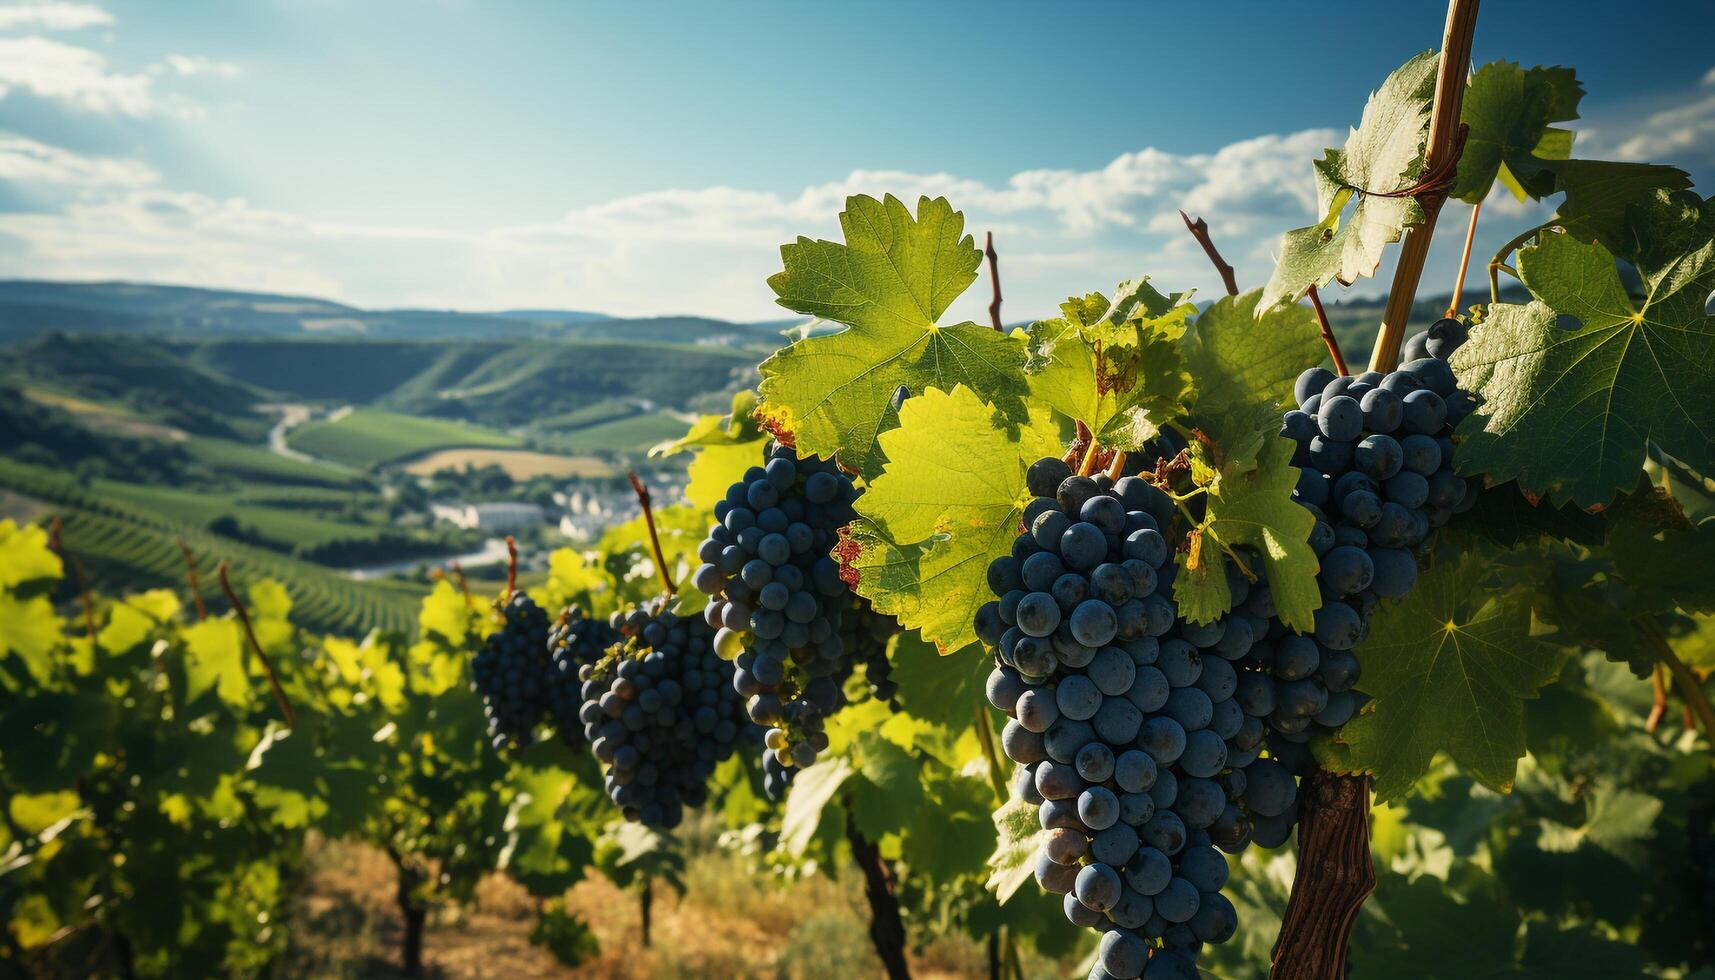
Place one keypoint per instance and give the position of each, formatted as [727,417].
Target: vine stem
[985,739]
[654,539]
[1464,259]
[1690,688]
[1335,875]
[511,569]
[1658,698]
[886,930]
[463,584]
[1117,466]
[1499,261]
[994,277]
[1446,141]
[250,633]
[58,544]
[1199,230]
[1327,331]
[191,577]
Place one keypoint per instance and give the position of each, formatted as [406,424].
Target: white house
[494,516]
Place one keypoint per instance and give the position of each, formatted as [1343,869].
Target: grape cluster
[576,639]
[781,612]
[1125,722]
[1375,458]
[510,672]
[659,713]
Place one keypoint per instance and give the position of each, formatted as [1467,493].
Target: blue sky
[650,157]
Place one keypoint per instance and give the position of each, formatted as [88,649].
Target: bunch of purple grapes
[1124,723]
[780,610]
[659,712]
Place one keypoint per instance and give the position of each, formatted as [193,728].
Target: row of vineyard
[119,543]
[1092,640]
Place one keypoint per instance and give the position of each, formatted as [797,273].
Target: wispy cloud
[187,66]
[27,161]
[1675,134]
[70,74]
[54,16]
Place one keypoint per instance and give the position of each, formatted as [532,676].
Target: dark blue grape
[1383,410]
[1045,476]
[1083,546]
[1409,490]
[1347,570]
[1425,412]
[1340,418]
[1311,382]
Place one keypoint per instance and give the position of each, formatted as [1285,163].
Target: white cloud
[705,250]
[25,160]
[54,16]
[186,66]
[1674,133]
[1709,78]
[71,74]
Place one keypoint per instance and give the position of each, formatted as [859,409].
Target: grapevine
[1092,636]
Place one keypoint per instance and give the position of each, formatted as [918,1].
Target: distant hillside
[146,375]
[29,308]
[523,382]
[504,384]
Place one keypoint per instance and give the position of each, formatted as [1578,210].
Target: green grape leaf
[1450,668]
[544,849]
[813,790]
[950,833]
[948,502]
[1441,928]
[1113,366]
[885,799]
[1382,156]
[214,658]
[1508,110]
[30,629]
[34,813]
[25,555]
[717,467]
[574,579]
[1242,354]
[34,921]
[1599,194]
[1574,953]
[1568,412]
[889,284]
[1018,835]
[737,426]
[944,691]
[1252,509]
[126,627]
[448,613]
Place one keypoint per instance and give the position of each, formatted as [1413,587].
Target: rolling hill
[29,308]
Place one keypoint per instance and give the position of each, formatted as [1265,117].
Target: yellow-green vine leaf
[948,502]
[888,284]
[1382,156]
[1252,509]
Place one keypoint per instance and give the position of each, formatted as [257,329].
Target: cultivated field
[367,438]
[520,464]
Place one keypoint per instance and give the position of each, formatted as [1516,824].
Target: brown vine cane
[1335,876]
